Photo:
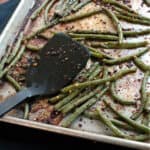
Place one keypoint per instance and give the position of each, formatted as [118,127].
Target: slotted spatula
[60,61]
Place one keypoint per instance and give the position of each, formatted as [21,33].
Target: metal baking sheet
[92,130]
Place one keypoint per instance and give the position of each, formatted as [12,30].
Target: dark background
[20,138]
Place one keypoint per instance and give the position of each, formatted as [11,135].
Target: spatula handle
[12,101]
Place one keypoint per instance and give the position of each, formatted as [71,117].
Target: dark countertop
[21,138]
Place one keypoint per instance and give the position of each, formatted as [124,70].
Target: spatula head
[60,61]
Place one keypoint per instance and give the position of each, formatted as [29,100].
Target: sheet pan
[93,131]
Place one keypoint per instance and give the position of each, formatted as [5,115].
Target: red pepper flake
[81,119]
[80,125]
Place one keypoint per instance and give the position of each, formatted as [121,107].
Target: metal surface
[90,129]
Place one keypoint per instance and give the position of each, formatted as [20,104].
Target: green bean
[143,137]
[99,81]
[34,33]
[119,99]
[118,123]
[123,45]
[5,57]
[116,23]
[147,2]
[48,7]
[80,16]
[131,122]
[91,32]
[146,118]
[59,10]
[125,58]
[140,64]
[70,6]
[92,69]
[147,105]
[125,33]
[61,7]
[81,100]
[13,82]
[98,54]
[67,99]
[91,114]
[16,48]
[121,124]
[106,121]
[38,10]
[105,75]
[123,12]
[120,5]
[47,37]
[18,88]
[15,60]
[87,73]
[34,47]
[67,122]
[76,92]
[133,20]
[143,96]
[118,132]
[26,111]
[95,73]
[57,98]
[74,5]
[136,33]
[80,5]
[94,36]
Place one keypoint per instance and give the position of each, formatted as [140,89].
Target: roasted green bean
[123,45]
[116,23]
[34,47]
[147,105]
[57,98]
[14,61]
[120,5]
[94,36]
[5,57]
[13,82]
[81,4]
[125,58]
[119,99]
[80,16]
[143,96]
[131,122]
[133,20]
[16,48]
[99,81]
[125,13]
[125,33]
[147,2]
[38,10]
[26,111]
[48,7]
[98,54]
[118,132]
[140,64]
[34,33]
[67,121]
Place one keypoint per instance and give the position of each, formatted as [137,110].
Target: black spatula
[60,61]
